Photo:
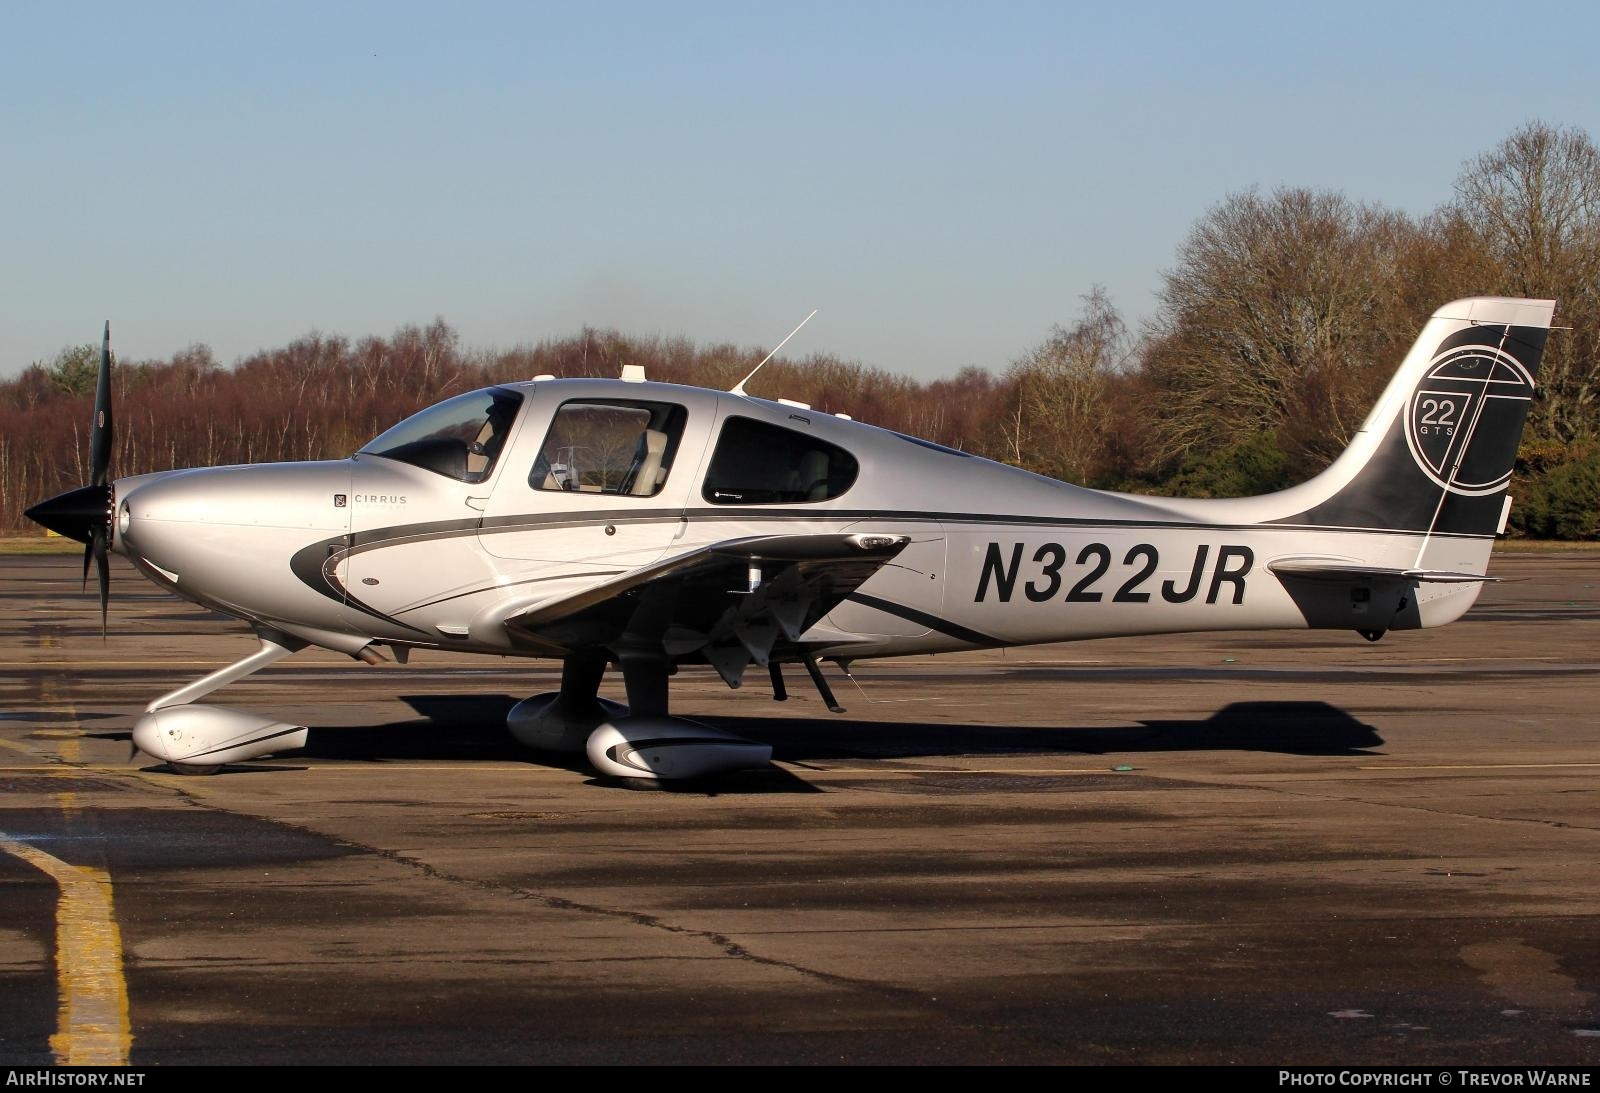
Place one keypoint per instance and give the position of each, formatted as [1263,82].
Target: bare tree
[1276,312]
[1058,424]
[1533,204]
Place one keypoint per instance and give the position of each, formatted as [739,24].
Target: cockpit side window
[756,463]
[617,446]
[460,438]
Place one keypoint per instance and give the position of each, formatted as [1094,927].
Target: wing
[728,604]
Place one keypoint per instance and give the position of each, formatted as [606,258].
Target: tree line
[1281,319]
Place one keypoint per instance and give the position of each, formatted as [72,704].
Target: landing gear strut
[195,739]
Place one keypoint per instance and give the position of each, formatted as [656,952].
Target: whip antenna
[738,388]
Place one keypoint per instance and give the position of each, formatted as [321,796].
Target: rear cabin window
[615,446]
[760,464]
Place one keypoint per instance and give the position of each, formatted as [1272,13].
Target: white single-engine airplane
[648,525]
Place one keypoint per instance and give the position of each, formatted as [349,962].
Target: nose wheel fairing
[201,739]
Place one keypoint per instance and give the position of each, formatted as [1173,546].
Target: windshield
[460,438]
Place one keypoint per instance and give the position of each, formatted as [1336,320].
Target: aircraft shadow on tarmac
[1290,728]
[473,727]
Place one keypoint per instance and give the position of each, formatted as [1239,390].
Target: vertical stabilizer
[1436,454]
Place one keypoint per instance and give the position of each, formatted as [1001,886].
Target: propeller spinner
[85,513]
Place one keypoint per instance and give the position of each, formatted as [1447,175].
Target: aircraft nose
[185,525]
[226,533]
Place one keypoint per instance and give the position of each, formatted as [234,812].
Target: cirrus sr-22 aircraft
[642,526]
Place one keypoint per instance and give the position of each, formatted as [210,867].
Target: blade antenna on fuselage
[738,388]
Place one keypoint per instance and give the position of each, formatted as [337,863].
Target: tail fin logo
[1468,396]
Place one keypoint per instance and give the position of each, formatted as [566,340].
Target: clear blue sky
[943,181]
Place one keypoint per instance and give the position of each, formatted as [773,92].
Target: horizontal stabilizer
[1312,569]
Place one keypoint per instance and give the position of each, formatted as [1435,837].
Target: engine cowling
[205,737]
[670,748]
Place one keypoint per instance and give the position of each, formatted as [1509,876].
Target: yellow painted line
[92,1028]
[1480,766]
[69,749]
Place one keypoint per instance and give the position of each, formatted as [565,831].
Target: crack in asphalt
[726,945]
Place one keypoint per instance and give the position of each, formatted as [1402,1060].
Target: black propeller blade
[100,433]
[84,514]
[98,546]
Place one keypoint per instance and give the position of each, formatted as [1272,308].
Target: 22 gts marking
[1093,562]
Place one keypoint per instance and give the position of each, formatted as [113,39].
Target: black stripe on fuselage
[314,564]
[441,529]
[922,618]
